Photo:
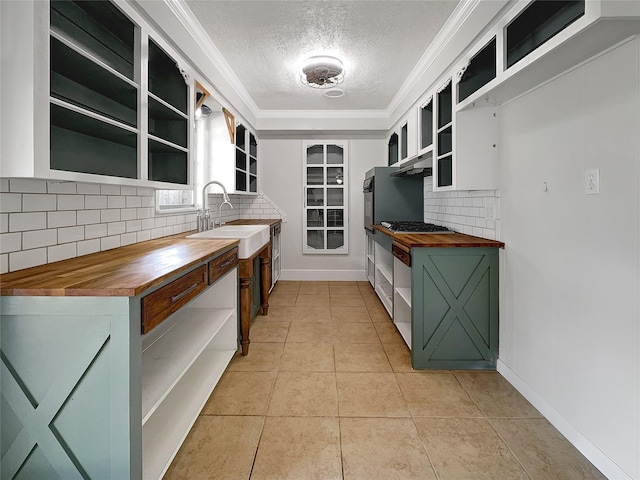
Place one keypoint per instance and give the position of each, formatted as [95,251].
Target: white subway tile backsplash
[20,222]
[110,189]
[108,243]
[143,235]
[70,234]
[134,225]
[127,239]
[10,202]
[25,185]
[95,202]
[145,212]
[27,258]
[70,202]
[128,214]
[61,187]
[116,228]
[61,219]
[86,217]
[86,247]
[39,238]
[45,221]
[10,242]
[61,252]
[112,215]
[38,202]
[115,202]
[133,202]
[88,189]
[95,231]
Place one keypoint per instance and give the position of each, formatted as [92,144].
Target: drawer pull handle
[228,262]
[175,298]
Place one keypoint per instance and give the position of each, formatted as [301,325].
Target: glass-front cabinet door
[325,223]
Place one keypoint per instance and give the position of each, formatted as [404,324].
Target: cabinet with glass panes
[85,111]
[325,222]
[246,160]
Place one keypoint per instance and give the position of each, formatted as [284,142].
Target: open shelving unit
[371,260]
[384,277]
[402,300]
[182,361]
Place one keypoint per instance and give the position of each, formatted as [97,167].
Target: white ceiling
[380,43]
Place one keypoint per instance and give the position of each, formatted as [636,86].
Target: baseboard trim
[324,275]
[601,461]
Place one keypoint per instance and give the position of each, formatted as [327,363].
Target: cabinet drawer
[401,253]
[222,264]
[157,306]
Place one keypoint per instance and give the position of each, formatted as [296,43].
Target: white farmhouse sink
[252,237]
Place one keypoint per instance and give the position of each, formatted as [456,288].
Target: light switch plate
[592,182]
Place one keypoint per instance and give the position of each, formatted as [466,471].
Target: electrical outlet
[592,182]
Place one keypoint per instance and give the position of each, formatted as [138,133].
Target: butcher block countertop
[122,272]
[271,222]
[416,240]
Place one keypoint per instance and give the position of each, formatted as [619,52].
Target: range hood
[418,166]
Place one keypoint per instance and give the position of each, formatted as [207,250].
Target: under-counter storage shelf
[183,359]
[166,360]
[402,299]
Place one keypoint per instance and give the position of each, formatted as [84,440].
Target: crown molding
[190,23]
[460,15]
[306,114]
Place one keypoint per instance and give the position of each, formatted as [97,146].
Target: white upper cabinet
[537,40]
[91,93]
[531,43]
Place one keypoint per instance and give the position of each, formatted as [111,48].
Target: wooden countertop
[271,222]
[416,240]
[125,271]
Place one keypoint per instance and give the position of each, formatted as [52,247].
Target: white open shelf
[386,271]
[405,332]
[166,429]
[385,293]
[166,360]
[405,294]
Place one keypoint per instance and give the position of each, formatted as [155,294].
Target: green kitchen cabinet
[454,308]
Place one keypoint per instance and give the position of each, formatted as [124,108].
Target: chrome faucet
[204,216]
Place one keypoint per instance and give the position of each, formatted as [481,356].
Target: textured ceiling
[380,42]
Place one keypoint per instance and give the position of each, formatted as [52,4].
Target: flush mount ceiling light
[322,72]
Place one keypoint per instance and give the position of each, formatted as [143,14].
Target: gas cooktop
[405,226]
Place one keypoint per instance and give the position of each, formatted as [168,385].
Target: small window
[167,200]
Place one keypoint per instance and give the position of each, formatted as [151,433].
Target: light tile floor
[327,392]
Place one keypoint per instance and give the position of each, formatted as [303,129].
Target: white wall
[281,180]
[570,324]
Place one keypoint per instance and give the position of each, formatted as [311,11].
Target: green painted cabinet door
[454,308]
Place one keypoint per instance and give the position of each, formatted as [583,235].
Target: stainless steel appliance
[386,196]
